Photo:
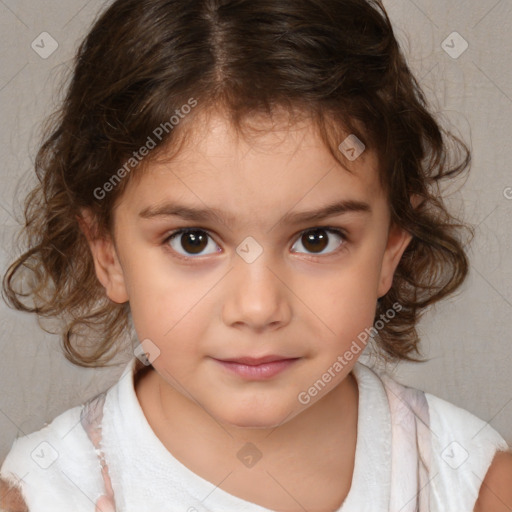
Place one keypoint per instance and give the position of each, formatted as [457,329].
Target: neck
[311,455]
[330,417]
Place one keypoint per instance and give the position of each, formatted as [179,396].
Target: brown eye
[191,242]
[317,240]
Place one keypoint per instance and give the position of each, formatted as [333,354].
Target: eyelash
[331,229]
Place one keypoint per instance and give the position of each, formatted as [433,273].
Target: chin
[252,423]
[254,418]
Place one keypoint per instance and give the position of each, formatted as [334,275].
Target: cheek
[343,303]
[163,309]
[169,306]
[349,292]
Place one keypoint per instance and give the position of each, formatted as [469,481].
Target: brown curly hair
[336,61]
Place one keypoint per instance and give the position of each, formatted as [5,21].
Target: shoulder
[47,463]
[472,455]
[11,499]
[496,491]
[465,453]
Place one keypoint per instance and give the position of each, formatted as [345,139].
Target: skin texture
[216,305]
[496,489]
[11,499]
[289,301]
[283,302]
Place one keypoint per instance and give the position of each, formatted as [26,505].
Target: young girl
[251,188]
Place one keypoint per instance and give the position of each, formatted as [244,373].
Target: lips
[257,368]
[255,361]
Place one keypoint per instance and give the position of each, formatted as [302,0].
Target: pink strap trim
[91,418]
[411,445]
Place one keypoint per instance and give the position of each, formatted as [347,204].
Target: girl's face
[261,271]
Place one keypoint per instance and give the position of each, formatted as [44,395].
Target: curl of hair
[143,61]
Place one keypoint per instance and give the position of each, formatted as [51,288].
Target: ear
[106,262]
[398,240]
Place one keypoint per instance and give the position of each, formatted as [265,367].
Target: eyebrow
[213,214]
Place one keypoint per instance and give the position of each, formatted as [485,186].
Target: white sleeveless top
[414,453]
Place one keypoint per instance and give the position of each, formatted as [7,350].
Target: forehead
[212,136]
[271,165]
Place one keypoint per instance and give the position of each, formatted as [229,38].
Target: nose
[256,296]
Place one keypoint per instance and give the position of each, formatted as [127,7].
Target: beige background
[467,338]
